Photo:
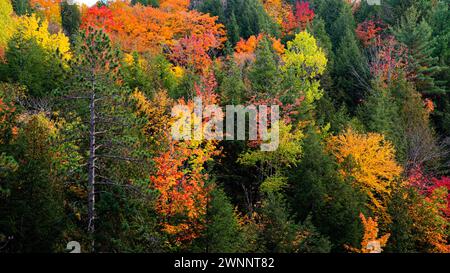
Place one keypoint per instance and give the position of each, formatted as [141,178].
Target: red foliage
[427,184]
[303,14]
[442,182]
[389,58]
[99,17]
[369,32]
[191,52]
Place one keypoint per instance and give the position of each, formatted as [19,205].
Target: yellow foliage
[7,22]
[30,27]
[373,165]
[157,113]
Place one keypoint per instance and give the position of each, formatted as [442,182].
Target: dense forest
[86,98]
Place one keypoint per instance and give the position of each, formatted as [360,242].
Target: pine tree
[222,231]
[350,71]
[265,75]
[416,34]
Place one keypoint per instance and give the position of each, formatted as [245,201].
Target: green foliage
[34,208]
[21,7]
[231,86]
[32,66]
[149,75]
[153,3]
[242,18]
[318,191]
[222,233]
[350,71]
[264,74]
[70,19]
[416,34]
[280,234]
[380,113]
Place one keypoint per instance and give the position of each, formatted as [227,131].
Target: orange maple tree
[180,176]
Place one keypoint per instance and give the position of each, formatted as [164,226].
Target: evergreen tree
[416,34]
[380,113]
[350,72]
[34,214]
[319,192]
[242,18]
[21,7]
[70,18]
[264,74]
[222,232]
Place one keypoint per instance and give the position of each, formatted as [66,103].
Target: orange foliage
[147,29]
[370,242]
[283,14]
[180,176]
[50,9]
[245,49]
[174,5]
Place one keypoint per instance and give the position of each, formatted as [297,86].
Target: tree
[243,18]
[379,113]
[303,62]
[416,35]
[70,19]
[148,29]
[264,74]
[370,160]
[317,191]
[36,58]
[350,71]
[21,7]
[222,231]
[370,242]
[93,76]
[303,14]
[272,165]
[7,25]
[48,9]
[280,234]
[35,206]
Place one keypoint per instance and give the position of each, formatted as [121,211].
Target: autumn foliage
[147,29]
[370,243]
[369,160]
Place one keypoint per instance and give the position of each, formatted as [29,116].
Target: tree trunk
[91,171]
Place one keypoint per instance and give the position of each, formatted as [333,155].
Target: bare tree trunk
[91,171]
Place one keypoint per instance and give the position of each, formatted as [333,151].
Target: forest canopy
[362,161]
